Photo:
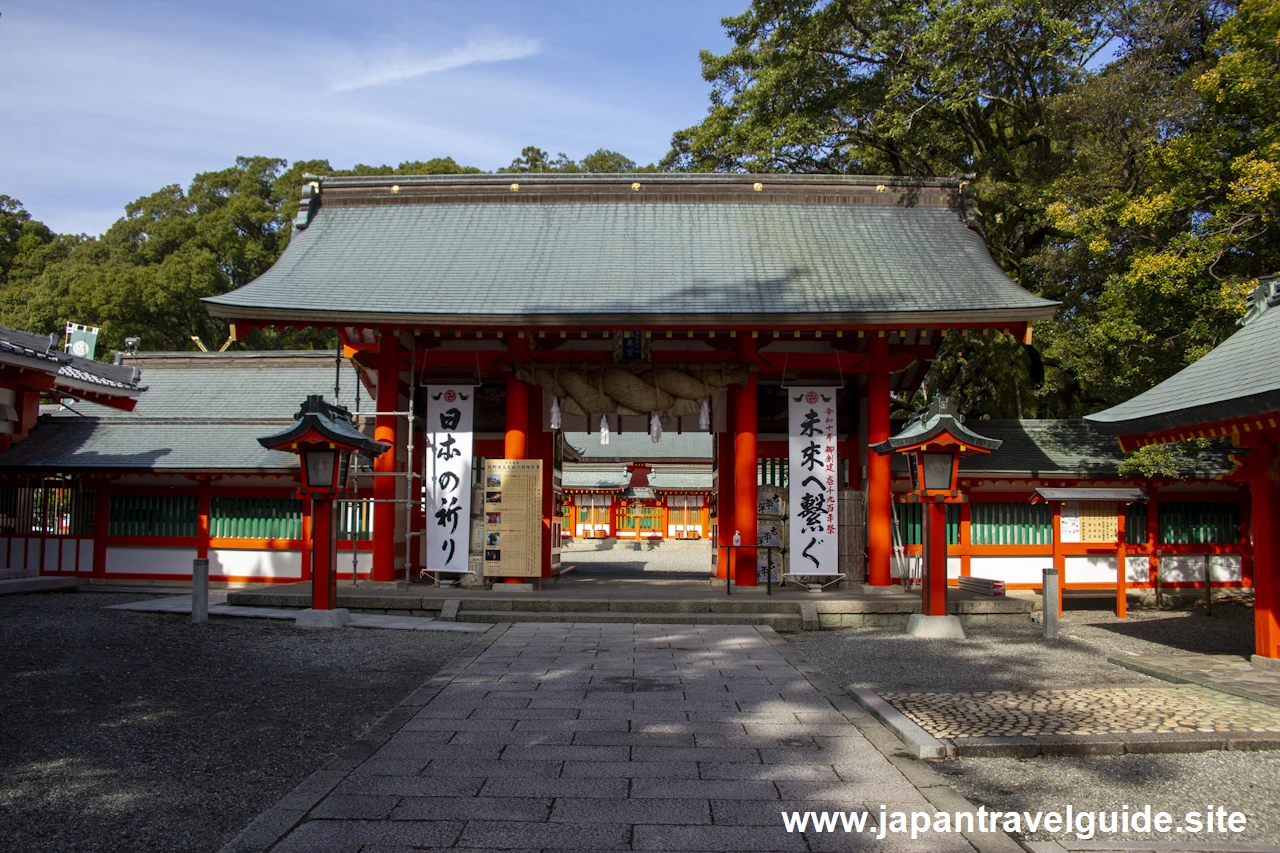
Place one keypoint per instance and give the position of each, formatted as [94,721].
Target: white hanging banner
[450,442]
[811,471]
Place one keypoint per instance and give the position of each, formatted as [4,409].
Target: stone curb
[1191,678]
[919,743]
[1132,743]
[276,822]
[934,788]
[27,586]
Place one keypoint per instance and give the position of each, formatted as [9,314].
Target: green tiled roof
[201,412]
[1237,379]
[1061,448]
[684,248]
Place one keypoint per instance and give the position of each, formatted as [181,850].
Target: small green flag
[82,341]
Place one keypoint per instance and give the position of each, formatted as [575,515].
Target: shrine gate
[609,302]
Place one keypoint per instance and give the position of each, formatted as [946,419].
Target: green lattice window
[1018,523]
[255,518]
[154,515]
[1198,522]
[1135,524]
[772,472]
[911,526]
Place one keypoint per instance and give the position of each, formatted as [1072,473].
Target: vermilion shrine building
[1233,391]
[737,285]
[740,283]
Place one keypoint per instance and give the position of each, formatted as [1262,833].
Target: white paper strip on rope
[450,442]
[811,438]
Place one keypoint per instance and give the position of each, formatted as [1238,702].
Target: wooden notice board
[513,518]
[1098,521]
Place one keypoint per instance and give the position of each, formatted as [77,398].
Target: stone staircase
[782,613]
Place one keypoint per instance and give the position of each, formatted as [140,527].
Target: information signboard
[513,518]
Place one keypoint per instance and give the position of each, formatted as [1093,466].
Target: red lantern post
[326,439]
[933,443]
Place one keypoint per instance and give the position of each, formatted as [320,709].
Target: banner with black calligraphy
[812,475]
[450,440]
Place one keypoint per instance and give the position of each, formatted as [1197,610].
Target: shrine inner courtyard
[107,767]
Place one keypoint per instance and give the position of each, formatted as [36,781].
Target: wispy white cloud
[404,66]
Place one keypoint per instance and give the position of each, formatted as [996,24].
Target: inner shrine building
[643,303]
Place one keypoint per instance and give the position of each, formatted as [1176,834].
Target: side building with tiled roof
[95,491]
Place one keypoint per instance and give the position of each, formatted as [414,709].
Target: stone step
[780,622]
[579,605]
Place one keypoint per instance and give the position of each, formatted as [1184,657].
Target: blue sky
[103,102]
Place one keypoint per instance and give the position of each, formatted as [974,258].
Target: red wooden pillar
[725,498]
[516,441]
[386,430]
[1122,570]
[308,542]
[1059,557]
[879,486]
[745,464]
[1266,559]
[934,589]
[204,500]
[324,569]
[1153,536]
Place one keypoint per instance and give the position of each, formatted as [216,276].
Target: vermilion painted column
[384,487]
[204,500]
[745,463]
[516,442]
[1153,536]
[1266,561]
[1122,570]
[879,495]
[1059,558]
[724,497]
[308,541]
[935,585]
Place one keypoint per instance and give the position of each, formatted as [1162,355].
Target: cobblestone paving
[1224,672]
[1090,710]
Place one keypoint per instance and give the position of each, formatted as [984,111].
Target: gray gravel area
[1247,782]
[129,731]
[1016,658]
[669,559]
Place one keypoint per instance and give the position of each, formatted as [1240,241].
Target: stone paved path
[1084,711]
[608,737]
[1228,673]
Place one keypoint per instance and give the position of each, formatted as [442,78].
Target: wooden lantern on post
[326,439]
[933,443]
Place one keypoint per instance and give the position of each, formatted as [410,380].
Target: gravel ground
[1018,659]
[670,559]
[139,731]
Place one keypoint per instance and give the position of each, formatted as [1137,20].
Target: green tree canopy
[1138,191]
